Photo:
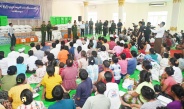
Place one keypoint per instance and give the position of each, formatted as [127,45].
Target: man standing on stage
[82,26]
[105,28]
[113,27]
[100,27]
[147,32]
[49,31]
[140,34]
[158,37]
[109,27]
[96,27]
[11,34]
[119,25]
[90,26]
[74,30]
[86,28]
[43,31]
[69,26]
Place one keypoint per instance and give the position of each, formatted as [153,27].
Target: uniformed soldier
[96,27]
[90,26]
[86,28]
[100,27]
[74,30]
[119,25]
[113,27]
[49,31]
[43,31]
[105,28]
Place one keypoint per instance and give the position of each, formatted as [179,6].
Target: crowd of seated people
[91,66]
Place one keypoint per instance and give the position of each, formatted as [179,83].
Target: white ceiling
[116,1]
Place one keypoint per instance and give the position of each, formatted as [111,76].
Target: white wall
[65,8]
[134,11]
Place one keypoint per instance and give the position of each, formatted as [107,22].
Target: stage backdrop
[18,11]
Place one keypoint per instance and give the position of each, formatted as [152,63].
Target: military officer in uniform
[43,31]
[100,27]
[74,30]
[49,31]
[96,27]
[113,27]
[105,24]
[91,27]
[119,25]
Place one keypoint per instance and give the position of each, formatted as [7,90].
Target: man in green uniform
[90,27]
[113,27]
[74,30]
[43,31]
[105,24]
[119,25]
[100,27]
[49,31]
[96,27]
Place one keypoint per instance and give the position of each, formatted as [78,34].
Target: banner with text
[19,11]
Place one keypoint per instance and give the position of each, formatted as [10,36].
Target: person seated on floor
[135,96]
[26,97]
[92,70]
[30,62]
[100,101]
[39,53]
[49,81]
[32,45]
[14,92]
[21,53]
[69,75]
[112,43]
[8,81]
[127,51]
[147,46]
[106,65]
[45,47]
[177,92]
[3,64]
[84,89]
[40,73]
[21,67]
[112,91]
[103,54]
[153,54]
[63,55]
[54,50]
[83,62]
[163,48]
[117,49]
[116,69]
[167,81]
[106,44]
[132,63]
[61,101]
[149,95]
[180,59]
[177,71]
[44,59]
[123,62]
[13,53]
[133,47]
[164,62]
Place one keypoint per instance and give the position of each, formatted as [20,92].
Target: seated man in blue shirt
[84,89]
[132,63]
[62,101]
[71,50]
[44,47]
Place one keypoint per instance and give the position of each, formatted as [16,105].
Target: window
[93,16]
[116,17]
[156,17]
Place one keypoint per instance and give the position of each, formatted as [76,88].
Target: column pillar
[120,12]
[175,15]
[86,10]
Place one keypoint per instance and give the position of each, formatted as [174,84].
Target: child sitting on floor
[21,68]
[40,73]
[116,68]
[61,67]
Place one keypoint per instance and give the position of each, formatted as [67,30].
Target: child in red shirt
[61,66]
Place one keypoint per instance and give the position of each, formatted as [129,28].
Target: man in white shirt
[54,50]
[30,62]
[39,53]
[69,26]
[100,101]
[158,37]
[58,45]
[82,27]
[112,91]
[21,53]
[78,41]
[11,34]
[3,64]
[12,56]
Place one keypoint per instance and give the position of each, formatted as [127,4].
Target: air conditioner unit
[158,4]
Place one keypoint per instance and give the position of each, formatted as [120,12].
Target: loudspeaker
[79,18]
